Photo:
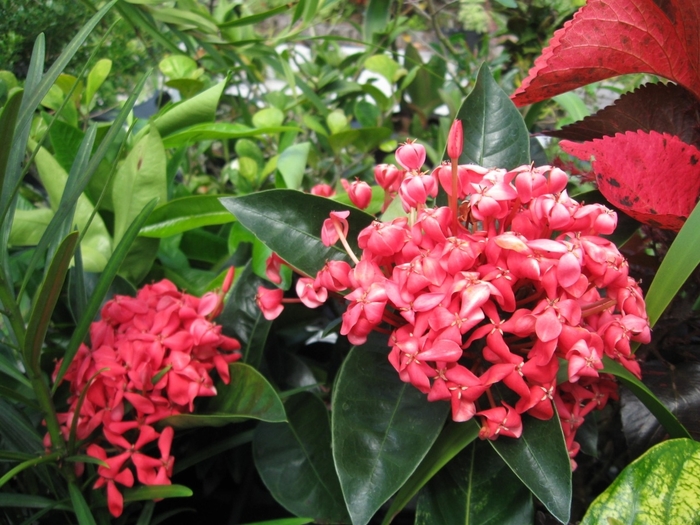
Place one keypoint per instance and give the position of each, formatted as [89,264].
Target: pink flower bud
[455,140]
[411,156]
[360,192]
[388,177]
[270,302]
[329,233]
[323,190]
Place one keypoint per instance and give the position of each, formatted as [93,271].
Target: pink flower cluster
[514,286]
[151,357]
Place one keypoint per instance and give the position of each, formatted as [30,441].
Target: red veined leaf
[653,177]
[607,38]
[665,108]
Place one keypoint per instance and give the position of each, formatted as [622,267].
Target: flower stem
[343,240]
[453,197]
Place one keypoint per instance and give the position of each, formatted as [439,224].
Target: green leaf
[292,163]
[289,222]
[140,179]
[475,487]
[669,421]
[679,262]
[100,291]
[178,66]
[219,131]
[196,110]
[540,459]
[258,17]
[242,317]
[377,16]
[65,140]
[451,441]
[295,461]
[28,501]
[8,119]
[80,506]
[662,487]
[151,492]
[573,105]
[383,65]
[382,428]
[364,139]
[425,88]
[29,225]
[494,131]
[268,118]
[98,74]
[45,302]
[284,521]
[247,396]
[184,214]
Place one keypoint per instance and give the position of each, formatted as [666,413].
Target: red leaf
[607,38]
[665,108]
[653,177]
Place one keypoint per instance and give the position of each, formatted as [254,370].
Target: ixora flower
[150,357]
[512,284]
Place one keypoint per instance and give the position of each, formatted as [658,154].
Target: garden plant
[332,262]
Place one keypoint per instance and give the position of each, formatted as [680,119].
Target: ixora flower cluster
[509,283]
[151,357]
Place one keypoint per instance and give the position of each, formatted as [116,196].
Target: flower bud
[455,140]
[411,156]
[360,192]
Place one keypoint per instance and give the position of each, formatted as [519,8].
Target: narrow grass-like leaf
[27,464]
[184,214]
[669,421]
[101,289]
[284,521]
[679,262]
[45,302]
[219,131]
[258,17]
[80,506]
[377,16]
[213,450]
[29,501]
[151,492]
[540,459]
[8,119]
[452,440]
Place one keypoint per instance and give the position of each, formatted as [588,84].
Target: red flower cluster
[151,356]
[515,285]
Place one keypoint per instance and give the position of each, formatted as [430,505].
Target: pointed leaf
[258,17]
[540,459]
[382,428]
[475,487]
[8,119]
[151,492]
[665,108]
[292,164]
[377,16]
[247,396]
[219,131]
[494,131]
[659,488]
[607,38]
[184,214]
[98,74]
[29,501]
[80,506]
[289,222]
[653,177]
[196,110]
[646,396]
[242,317]
[295,461]
[451,441]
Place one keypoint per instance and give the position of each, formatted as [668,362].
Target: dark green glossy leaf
[186,213]
[295,461]
[289,222]
[101,289]
[219,131]
[247,396]
[494,131]
[662,487]
[80,506]
[151,492]
[382,428]
[46,300]
[475,487]
[646,396]
[450,442]
[243,319]
[540,459]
